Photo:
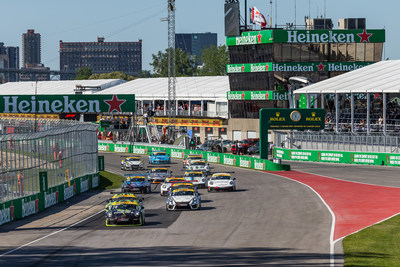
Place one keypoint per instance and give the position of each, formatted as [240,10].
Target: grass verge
[109,180]
[378,245]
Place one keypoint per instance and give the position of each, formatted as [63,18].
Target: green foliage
[185,65]
[112,75]
[215,60]
[83,73]
[377,245]
[109,180]
[144,74]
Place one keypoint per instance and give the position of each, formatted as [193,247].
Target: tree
[83,73]
[185,65]
[144,74]
[214,60]
[112,75]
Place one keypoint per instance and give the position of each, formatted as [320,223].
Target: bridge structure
[64,75]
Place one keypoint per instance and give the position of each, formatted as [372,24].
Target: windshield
[221,177]
[194,175]
[198,163]
[132,159]
[160,171]
[136,179]
[195,157]
[124,207]
[183,193]
[160,153]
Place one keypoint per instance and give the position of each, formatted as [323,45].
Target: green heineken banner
[308,36]
[67,103]
[43,182]
[288,118]
[257,95]
[294,67]
[329,36]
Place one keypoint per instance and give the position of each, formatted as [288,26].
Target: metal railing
[64,149]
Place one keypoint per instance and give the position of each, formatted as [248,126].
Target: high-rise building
[101,57]
[31,48]
[9,61]
[194,43]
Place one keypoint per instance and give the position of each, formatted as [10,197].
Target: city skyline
[142,21]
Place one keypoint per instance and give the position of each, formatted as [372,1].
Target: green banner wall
[25,206]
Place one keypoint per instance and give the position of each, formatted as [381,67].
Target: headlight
[109,215]
[164,186]
[231,182]
[136,213]
[193,201]
[203,180]
[171,201]
[211,183]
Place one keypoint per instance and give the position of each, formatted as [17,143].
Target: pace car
[197,178]
[191,157]
[125,212]
[136,183]
[159,157]
[164,188]
[198,165]
[122,197]
[183,198]
[158,175]
[132,163]
[221,181]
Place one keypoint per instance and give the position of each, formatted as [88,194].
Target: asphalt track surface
[270,220]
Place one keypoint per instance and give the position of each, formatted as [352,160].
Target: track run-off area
[295,218]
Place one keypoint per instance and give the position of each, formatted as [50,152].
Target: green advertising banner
[295,67]
[329,36]
[257,95]
[43,181]
[67,103]
[250,38]
[101,163]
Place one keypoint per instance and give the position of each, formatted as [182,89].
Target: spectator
[21,183]
[239,148]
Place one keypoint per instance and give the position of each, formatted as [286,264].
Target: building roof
[54,87]
[196,88]
[380,77]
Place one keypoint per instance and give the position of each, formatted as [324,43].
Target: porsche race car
[198,165]
[221,181]
[158,175]
[122,197]
[159,157]
[198,178]
[191,157]
[136,183]
[183,198]
[164,188]
[125,212]
[132,163]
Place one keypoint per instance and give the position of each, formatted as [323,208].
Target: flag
[257,18]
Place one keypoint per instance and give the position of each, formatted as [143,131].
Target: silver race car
[221,181]
[198,165]
[183,198]
[132,163]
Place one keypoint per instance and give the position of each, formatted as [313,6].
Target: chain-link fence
[377,143]
[64,149]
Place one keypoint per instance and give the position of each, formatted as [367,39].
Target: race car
[198,165]
[183,198]
[159,157]
[132,163]
[197,178]
[190,157]
[158,175]
[122,197]
[181,185]
[125,212]
[136,183]
[164,188]
[221,181]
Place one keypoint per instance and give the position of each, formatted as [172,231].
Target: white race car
[221,181]
[132,163]
[164,188]
[197,178]
[198,165]
[183,198]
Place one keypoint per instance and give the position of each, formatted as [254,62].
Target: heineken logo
[138,150]
[244,163]
[212,158]
[176,154]
[234,69]
[327,37]
[229,161]
[67,103]
[95,181]
[84,185]
[120,149]
[102,147]
[50,199]
[257,95]
[28,208]
[246,40]
[68,192]
[258,165]
[5,215]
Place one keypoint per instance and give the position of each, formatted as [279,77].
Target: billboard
[232,19]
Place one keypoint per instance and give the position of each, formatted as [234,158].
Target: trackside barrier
[22,207]
[338,157]
[212,157]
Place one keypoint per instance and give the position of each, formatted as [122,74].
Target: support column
[189,108]
[202,108]
[323,101]
[294,101]
[337,111]
[142,107]
[352,111]
[165,108]
[384,112]
[176,107]
[368,113]
[308,100]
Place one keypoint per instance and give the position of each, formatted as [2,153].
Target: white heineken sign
[66,103]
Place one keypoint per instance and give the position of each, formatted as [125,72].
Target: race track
[270,220]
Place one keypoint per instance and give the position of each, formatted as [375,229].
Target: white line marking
[331,243]
[37,240]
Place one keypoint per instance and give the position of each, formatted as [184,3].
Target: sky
[131,20]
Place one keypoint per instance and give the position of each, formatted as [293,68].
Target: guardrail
[22,207]
[387,159]
[212,157]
